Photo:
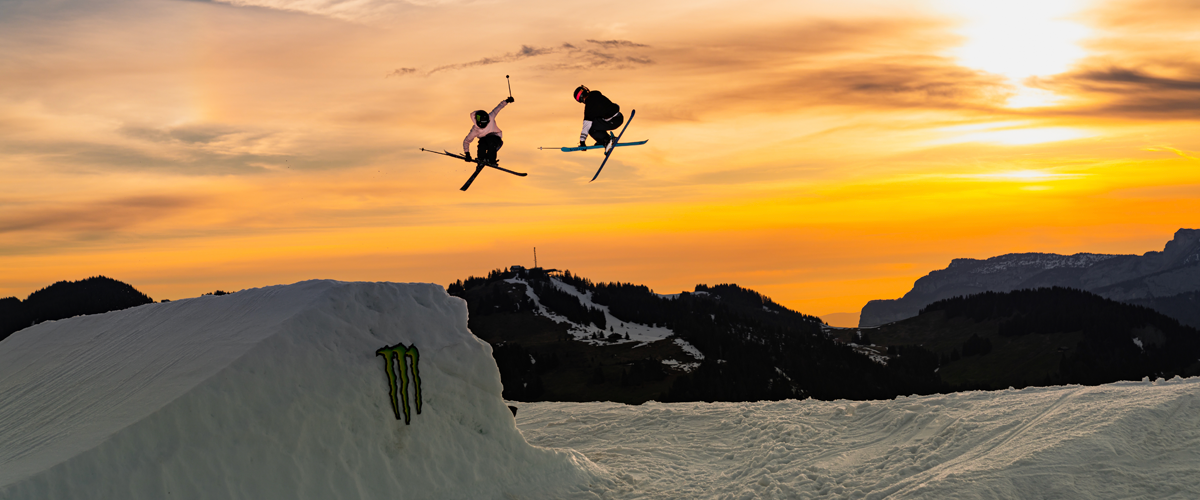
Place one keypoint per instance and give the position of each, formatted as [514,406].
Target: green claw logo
[395,363]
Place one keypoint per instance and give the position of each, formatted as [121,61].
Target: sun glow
[1020,39]
[1025,176]
[1007,133]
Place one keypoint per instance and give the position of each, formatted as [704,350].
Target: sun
[1019,39]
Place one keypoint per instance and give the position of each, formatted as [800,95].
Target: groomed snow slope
[1124,440]
[270,393]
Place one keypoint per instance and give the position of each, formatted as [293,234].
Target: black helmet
[580,93]
[481,118]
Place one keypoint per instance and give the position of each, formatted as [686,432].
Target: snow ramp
[317,390]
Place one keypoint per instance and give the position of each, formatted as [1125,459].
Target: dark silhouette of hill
[752,348]
[65,299]
[1184,307]
[1045,336]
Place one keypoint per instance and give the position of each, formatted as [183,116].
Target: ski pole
[509,85]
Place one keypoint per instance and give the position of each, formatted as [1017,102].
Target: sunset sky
[822,153]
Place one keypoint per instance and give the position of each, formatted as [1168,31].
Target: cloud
[1179,152]
[1122,77]
[525,53]
[94,217]
[401,72]
[1128,92]
[591,59]
[1142,63]
[1147,15]
[191,150]
[613,44]
[345,10]
[189,134]
[877,64]
[930,81]
[575,57]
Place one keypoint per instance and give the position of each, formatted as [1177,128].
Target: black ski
[478,169]
[479,164]
[616,142]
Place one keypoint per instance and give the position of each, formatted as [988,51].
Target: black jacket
[597,107]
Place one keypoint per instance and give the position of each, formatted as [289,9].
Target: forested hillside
[65,299]
[558,336]
[1046,336]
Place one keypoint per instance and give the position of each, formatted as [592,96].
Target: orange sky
[824,155]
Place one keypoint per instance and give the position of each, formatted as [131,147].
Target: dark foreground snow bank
[270,393]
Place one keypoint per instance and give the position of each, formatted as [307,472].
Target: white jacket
[491,128]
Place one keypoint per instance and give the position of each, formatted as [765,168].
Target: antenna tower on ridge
[535,257]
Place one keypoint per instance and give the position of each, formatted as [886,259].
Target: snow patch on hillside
[639,333]
[690,349]
[1036,260]
[871,352]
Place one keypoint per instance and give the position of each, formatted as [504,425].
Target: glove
[582,144]
[510,99]
[467,158]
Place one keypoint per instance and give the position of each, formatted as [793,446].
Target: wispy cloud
[525,52]
[611,56]
[345,10]
[1128,92]
[98,216]
[1147,15]
[401,72]
[614,44]
[873,64]
[1179,152]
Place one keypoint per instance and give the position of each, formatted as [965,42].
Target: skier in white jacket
[487,131]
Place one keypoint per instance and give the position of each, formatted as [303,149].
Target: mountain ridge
[1150,278]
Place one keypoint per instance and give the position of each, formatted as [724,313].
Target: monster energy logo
[396,367]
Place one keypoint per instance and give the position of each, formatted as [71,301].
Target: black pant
[600,128]
[488,146]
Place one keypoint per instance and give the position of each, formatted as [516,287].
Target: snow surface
[271,393]
[276,393]
[1123,440]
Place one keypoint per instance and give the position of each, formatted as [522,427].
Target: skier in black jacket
[600,115]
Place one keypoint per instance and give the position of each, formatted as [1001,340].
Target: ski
[478,169]
[585,148]
[479,164]
[617,142]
